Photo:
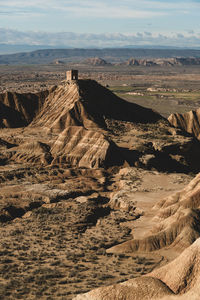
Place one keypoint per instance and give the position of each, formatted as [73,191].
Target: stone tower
[72,75]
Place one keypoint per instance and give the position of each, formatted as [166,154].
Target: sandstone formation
[189,122]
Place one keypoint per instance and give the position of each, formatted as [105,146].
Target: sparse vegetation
[57,221]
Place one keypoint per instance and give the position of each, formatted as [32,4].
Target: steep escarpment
[189,121]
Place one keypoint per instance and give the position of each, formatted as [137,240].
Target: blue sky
[129,21]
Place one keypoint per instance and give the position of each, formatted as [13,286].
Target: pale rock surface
[189,121]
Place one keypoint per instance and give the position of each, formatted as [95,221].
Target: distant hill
[11,49]
[178,61]
[96,61]
[110,55]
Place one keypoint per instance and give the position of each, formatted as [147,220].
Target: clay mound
[18,110]
[189,121]
[86,103]
[176,223]
[143,288]
[83,148]
[180,277]
[96,61]
[31,152]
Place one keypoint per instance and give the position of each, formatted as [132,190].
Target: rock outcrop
[189,121]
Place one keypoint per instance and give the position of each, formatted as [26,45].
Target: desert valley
[99,177]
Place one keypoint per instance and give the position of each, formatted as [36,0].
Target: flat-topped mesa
[72,75]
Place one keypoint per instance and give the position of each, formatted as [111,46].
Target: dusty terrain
[82,183]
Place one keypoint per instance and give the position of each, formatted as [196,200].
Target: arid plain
[96,190]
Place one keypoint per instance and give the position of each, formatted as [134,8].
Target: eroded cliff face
[189,122]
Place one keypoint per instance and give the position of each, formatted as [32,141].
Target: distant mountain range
[115,55]
[12,49]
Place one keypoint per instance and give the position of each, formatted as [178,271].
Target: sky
[82,23]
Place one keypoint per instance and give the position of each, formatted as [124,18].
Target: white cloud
[79,8]
[101,15]
[181,39]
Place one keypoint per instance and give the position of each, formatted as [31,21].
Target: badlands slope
[82,201]
[84,124]
[180,277]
